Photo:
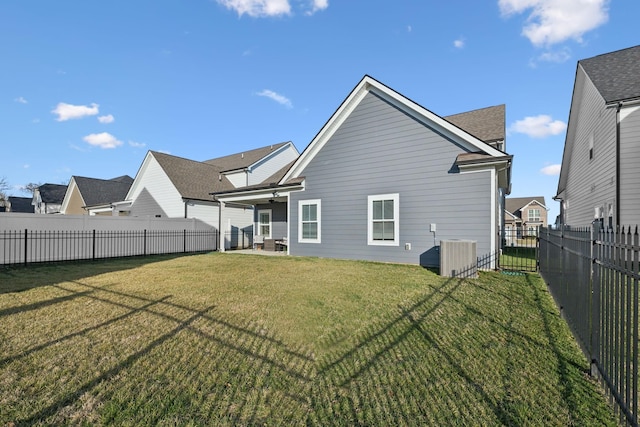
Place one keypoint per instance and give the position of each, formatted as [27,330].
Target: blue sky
[88,87]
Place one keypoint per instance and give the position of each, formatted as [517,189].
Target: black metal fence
[519,250]
[593,275]
[33,246]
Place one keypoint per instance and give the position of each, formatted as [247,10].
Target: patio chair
[282,244]
[258,240]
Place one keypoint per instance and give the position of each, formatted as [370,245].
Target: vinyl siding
[272,164]
[74,207]
[203,211]
[235,222]
[278,219]
[590,182]
[629,170]
[155,194]
[381,150]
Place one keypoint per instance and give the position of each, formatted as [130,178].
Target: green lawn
[229,339]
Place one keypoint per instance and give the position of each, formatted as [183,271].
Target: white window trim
[269,211]
[317,202]
[396,220]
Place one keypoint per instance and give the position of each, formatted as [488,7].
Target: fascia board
[255,194]
[537,203]
[510,214]
[68,193]
[329,128]
[271,155]
[425,116]
[571,127]
[366,85]
[136,181]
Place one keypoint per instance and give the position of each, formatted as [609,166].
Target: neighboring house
[17,204]
[47,198]
[386,180]
[523,216]
[600,177]
[174,187]
[92,195]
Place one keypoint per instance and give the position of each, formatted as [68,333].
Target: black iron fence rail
[594,276]
[37,246]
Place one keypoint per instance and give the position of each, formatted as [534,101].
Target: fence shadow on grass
[420,367]
[19,278]
[218,345]
[204,367]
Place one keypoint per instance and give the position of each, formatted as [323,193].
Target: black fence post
[184,241]
[595,302]
[144,245]
[26,239]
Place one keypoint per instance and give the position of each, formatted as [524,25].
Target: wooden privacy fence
[33,246]
[593,274]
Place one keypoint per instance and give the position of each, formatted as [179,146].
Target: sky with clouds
[87,88]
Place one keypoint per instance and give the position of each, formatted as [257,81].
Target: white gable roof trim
[366,85]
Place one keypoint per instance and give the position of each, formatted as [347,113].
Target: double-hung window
[383,213]
[264,223]
[534,214]
[309,223]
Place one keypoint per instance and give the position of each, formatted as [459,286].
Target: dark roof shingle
[52,193]
[244,159]
[96,191]
[193,180]
[486,124]
[616,75]
[21,204]
[514,204]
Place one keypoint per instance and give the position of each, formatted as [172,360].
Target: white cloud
[137,144]
[459,43]
[318,5]
[409,28]
[67,111]
[106,119]
[280,99]
[552,170]
[258,8]
[21,100]
[539,126]
[102,140]
[554,21]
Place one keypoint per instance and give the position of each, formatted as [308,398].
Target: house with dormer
[168,186]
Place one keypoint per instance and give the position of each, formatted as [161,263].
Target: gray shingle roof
[616,75]
[193,180]
[486,124]
[21,204]
[514,204]
[52,193]
[102,191]
[244,159]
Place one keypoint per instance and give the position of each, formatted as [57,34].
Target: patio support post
[221,233]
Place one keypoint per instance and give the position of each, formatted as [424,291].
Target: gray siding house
[47,198]
[386,180]
[600,178]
